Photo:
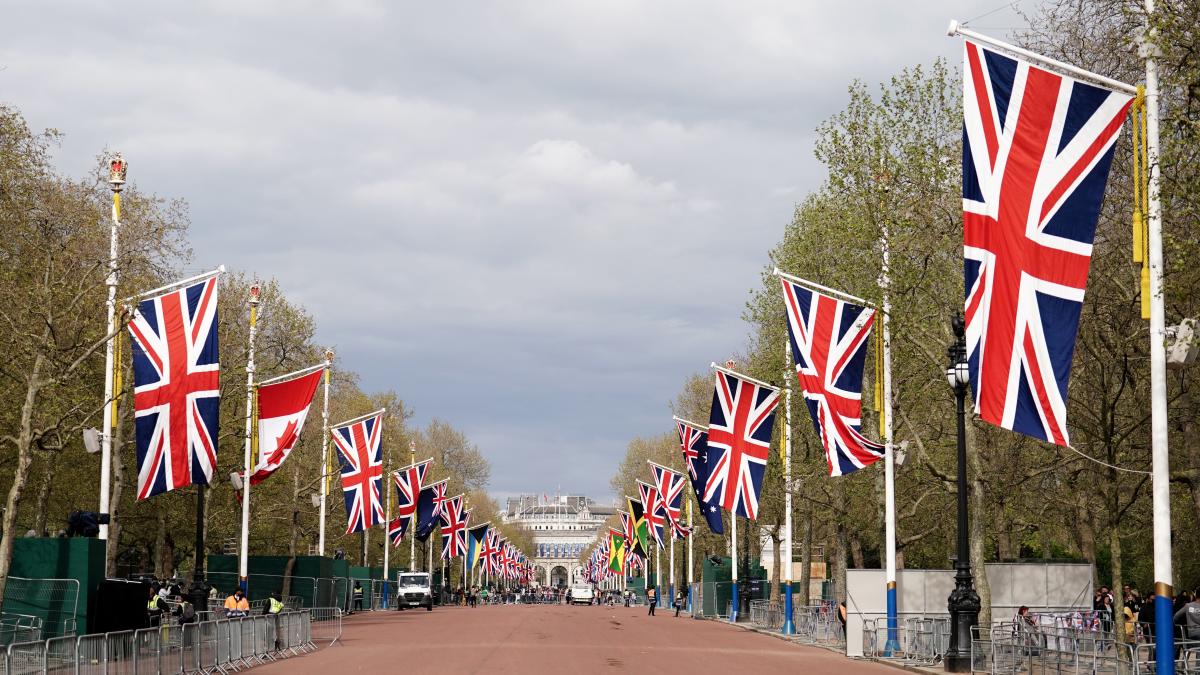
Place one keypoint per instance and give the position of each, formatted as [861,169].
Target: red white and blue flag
[360,452]
[829,347]
[693,440]
[409,482]
[454,528]
[176,389]
[654,513]
[488,554]
[739,440]
[670,492]
[429,508]
[1037,147]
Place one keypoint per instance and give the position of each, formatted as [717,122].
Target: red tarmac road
[553,638]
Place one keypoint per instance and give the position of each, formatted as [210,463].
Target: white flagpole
[116,181]
[657,574]
[671,587]
[387,540]
[324,454]
[690,560]
[788,626]
[244,550]
[1160,464]
[412,524]
[733,558]
[889,457]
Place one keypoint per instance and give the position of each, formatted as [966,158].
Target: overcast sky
[532,219]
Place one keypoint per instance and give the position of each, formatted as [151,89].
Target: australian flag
[693,440]
[428,511]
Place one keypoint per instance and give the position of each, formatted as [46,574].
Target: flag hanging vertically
[176,390]
[693,439]
[670,491]
[1037,147]
[655,515]
[360,452]
[429,508]
[639,530]
[282,408]
[487,551]
[454,528]
[829,340]
[410,480]
[739,440]
[476,537]
[616,551]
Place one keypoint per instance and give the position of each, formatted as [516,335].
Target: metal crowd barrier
[918,640]
[819,624]
[1015,647]
[208,647]
[766,613]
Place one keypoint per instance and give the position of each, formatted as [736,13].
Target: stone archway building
[563,528]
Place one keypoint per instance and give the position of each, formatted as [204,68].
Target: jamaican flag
[616,551]
[638,527]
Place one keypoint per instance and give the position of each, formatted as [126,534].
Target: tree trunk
[856,552]
[806,559]
[977,531]
[1004,537]
[1114,544]
[838,559]
[43,499]
[24,459]
[160,539]
[776,565]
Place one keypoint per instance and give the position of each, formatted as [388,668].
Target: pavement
[555,638]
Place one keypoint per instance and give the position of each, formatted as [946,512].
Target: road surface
[552,638]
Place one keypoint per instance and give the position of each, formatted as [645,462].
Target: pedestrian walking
[678,602]
[651,599]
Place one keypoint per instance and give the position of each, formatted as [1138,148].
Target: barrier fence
[205,647]
[1050,644]
[55,602]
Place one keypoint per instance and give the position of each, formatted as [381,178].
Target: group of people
[163,599]
[652,600]
[1137,613]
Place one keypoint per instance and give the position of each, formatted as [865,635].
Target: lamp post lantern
[964,601]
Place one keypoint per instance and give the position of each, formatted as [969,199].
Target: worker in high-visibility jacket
[237,605]
[274,604]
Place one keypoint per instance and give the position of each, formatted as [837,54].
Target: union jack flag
[176,392]
[454,528]
[488,554]
[1037,147]
[409,482]
[359,449]
[670,491]
[655,514]
[829,347]
[739,439]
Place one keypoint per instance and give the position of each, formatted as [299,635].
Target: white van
[413,590]
[581,594]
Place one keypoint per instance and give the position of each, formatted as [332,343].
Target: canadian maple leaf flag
[282,407]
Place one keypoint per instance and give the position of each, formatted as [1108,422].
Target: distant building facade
[563,528]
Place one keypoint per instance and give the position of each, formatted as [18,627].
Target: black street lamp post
[964,601]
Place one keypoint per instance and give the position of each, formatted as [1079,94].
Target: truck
[413,590]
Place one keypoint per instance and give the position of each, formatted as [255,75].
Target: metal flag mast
[116,182]
[251,432]
[889,457]
[1160,464]
[387,521]
[412,525]
[325,472]
[788,626]
[690,562]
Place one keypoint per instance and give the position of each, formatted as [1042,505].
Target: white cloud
[532,219]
